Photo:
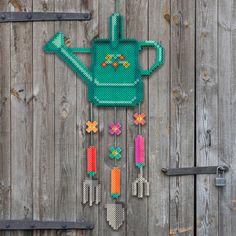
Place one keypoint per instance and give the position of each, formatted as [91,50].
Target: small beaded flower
[139,119]
[115,128]
[91,126]
[115,153]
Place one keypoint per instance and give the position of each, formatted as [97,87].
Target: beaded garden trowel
[114,80]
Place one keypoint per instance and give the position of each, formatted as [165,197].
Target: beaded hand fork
[91,187]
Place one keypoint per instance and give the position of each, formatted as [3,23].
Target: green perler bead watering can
[114,78]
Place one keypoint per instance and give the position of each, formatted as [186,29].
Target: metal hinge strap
[42,16]
[43,225]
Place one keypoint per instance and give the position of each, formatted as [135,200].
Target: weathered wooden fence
[190,105]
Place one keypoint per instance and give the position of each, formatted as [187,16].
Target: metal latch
[43,16]
[193,170]
[220,180]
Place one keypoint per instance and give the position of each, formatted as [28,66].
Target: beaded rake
[140,186]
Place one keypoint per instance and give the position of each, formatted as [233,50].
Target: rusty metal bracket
[193,170]
[44,225]
[43,16]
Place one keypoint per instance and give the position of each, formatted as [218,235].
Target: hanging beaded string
[115,138]
[139,133]
[117,6]
[115,153]
[91,150]
[91,119]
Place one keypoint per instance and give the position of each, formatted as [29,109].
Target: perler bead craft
[115,182]
[115,75]
[115,128]
[115,214]
[139,151]
[91,126]
[113,80]
[139,119]
[115,152]
[91,161]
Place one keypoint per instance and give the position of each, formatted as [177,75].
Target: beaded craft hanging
[114,80]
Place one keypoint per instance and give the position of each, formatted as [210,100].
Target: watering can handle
[159,55]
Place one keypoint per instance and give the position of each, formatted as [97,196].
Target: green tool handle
[159,55]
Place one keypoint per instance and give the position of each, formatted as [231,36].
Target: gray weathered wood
[65,125]
[227,112]
[182,115]
[43,120]
[206,115]
[5,119]
[137,210]
[42,125]
[158,122]
[21,120]
[86,31]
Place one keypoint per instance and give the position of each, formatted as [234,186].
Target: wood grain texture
[21,120]
[182,114]
[5,118]
[86,31]
[43,120]
[158,121]
[206,115]
[227,111]
[65,126]
[44,108]
[137,209]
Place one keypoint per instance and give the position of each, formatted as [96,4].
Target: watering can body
[114,78]
[116,74]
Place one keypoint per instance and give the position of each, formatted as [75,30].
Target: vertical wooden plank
[86,32]
[182,115]
[231,159]
[43,119]
[21,119]
[5,115]
[158,121]
[227,112]
[65,125]
[106,115]
[137,211]
[206,115]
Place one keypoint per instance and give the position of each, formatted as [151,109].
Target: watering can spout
[116,29]
[56,45]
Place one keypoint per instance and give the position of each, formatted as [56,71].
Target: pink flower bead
[115,128]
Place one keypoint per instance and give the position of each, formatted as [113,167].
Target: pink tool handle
[139,151]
